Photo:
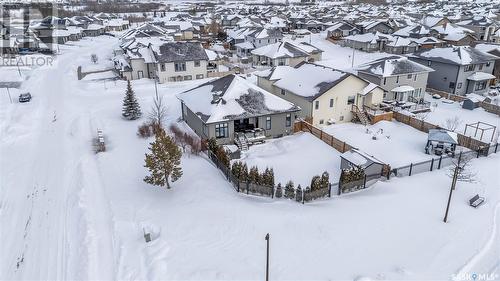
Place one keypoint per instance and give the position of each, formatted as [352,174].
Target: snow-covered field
[67,213]
[298,158]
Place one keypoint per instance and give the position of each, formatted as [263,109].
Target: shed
[470,103]
[356,158]
[441,141]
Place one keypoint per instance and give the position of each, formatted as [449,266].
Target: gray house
[458,70]
[401,78]
[230,105]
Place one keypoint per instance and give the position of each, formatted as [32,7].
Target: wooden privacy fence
[421,125]
[341,146]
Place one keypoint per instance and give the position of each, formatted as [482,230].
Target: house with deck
[230,107]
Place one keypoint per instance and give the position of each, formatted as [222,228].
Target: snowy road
[46,181]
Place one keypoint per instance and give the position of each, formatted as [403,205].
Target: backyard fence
[303,126]
[421,125]
[489,107]
[251,188]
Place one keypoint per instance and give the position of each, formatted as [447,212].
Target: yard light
[267,258]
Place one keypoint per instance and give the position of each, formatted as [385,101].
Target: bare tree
[158,111]
[452,123]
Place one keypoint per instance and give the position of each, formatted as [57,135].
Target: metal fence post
[272,191]
[248,186]
[496,147]
[411,168]
[432,164]
[364,182]
[340,184]
[238,181]
[329,190]
[439,164]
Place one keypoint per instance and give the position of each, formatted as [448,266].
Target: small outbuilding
[354,158]
[470,103]
[441,141]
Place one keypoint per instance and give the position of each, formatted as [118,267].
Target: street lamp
[267,258]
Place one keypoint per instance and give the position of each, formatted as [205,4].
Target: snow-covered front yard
[67,213]
[298,158]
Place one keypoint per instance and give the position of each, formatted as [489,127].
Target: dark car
[25,97]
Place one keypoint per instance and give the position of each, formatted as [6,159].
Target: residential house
[401,78]
[372,26]
[256,39]
[341,29]
[324,94]
[224,107]
[181,61]
[285,53]
[458,70]
[483,27]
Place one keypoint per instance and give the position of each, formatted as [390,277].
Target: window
[331,102]
[288,122]
[397,79]
[221,130]
[409,76]
[162,66]
[197,63]
[199,76]
[321,122]
[488,64]
[459,85]
[481,67]
[140,74]
[480,85]
[180,66]
[452,85]
[268,123]
[283,92]
[188,77]
[415,77]
[469,67]
[316,104]
[429,63]
[351,99]
[385,80]
[341,118]
[205,130]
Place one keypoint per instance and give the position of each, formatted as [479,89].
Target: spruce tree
[279,191]
[289,190]
[164,161]
[131,108]
[298,194]
[253,175]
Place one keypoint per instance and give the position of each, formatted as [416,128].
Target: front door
[140,74]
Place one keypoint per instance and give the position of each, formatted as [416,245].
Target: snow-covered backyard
[396,144]
[67,213]
[298,158]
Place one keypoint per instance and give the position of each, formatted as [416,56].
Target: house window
[331,102]
[459,85]
[415,77]
[199,76]
[321,121]
[162,66]
[205,130]
[180,66]
[385,80]
[480,85]
[341,118]
[488,64]
[188,77]
[469,67]
[481,67]
[283,92]
[268,123]
[409,76]
[351,99]
[429,63]
[288,122]
[197,63]
[452,85]
[316,104]
[221,130]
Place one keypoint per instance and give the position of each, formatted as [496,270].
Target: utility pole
[267,258]
[453,184]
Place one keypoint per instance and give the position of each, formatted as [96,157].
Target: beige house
[285,53]
[324,94]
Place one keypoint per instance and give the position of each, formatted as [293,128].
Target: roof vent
[215,98]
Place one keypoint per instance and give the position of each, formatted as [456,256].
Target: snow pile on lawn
[298,157]
[396,144]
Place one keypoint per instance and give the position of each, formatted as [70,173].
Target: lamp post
[267,258]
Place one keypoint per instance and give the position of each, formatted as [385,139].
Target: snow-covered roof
[402,89]
[481,76]
[286,50]
[232,97]
[391,66]
[442,135]
[366,90]
[462,55]
[359,158]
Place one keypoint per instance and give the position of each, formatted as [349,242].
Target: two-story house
[285,53]
[324,94]
[401,78]
[256,39]
[458,70]
[179,61]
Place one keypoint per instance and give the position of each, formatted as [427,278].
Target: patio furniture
[476,201]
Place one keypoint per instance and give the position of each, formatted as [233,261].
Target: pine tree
[236,169]
[298,194]
[289,190]
[164,161]
[253,175]
[315,183]
[279,191]
[244,172]
[131,108]
[325,180]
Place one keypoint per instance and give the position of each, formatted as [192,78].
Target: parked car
[24,97]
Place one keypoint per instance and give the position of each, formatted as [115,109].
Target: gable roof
[286,50]
[462,55]
[392,66]
[232,97]
[181,51]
